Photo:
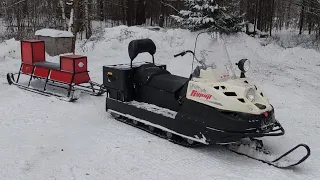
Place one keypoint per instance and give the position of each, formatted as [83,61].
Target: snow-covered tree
[209,15]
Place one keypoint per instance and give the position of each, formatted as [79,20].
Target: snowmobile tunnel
[141,46]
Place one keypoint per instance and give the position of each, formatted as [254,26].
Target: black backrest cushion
[140,46]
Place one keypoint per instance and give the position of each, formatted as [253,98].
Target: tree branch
[166,4]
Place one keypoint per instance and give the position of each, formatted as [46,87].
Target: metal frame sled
[70,74]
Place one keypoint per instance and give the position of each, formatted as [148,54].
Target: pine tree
[209,15]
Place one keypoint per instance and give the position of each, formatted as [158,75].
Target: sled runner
[209,107]
[70,75]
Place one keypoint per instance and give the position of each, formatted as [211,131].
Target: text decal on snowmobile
[195,93]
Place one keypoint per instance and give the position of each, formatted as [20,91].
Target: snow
[289,38]
[46,138]
[155,109]
[53,33]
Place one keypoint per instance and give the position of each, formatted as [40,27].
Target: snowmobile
[207,108]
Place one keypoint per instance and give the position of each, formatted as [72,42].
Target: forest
[21,18]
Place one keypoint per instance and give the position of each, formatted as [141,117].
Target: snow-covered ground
[289,38]
[45,138]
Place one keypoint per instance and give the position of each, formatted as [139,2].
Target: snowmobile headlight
[251,94]
[244,65]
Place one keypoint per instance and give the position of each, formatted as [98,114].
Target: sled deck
[65,80]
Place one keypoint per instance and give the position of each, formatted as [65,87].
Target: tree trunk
[101,14]
[63,15]
[141,12]
[271,17]
[259,23]
[256,16]
[301,17]
[310,17]
[162,15]
[130,12]
[88,8]
[123,8]
[71,19]
[289,14]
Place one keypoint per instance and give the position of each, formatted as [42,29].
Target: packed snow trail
[45,138]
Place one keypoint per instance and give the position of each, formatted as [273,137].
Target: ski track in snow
[45,138]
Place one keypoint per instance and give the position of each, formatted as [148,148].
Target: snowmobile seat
[48,65]
[146,72]
[151,75]
[168,82]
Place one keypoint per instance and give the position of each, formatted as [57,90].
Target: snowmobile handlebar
[195,57]
[184,53]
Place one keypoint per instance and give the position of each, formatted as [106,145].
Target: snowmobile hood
[239,95]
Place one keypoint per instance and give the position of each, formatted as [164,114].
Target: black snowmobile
[206,108]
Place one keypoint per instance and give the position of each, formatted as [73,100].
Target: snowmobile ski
[255,150]
[73,96]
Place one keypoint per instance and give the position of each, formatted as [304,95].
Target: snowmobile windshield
[211,52]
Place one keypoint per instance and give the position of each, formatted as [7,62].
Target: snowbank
[53,33]
[291,38]
[10,49]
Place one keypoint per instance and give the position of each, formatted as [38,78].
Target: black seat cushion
[49,65]
[151,75]
[168,82]
[146,72]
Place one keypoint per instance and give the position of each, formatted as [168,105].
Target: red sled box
[32,51]
[73,63]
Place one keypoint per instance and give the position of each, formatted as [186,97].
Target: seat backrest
[140,46]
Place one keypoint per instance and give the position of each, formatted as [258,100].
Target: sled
[67,79]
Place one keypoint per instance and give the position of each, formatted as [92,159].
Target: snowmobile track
[262,153]
[158,132]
